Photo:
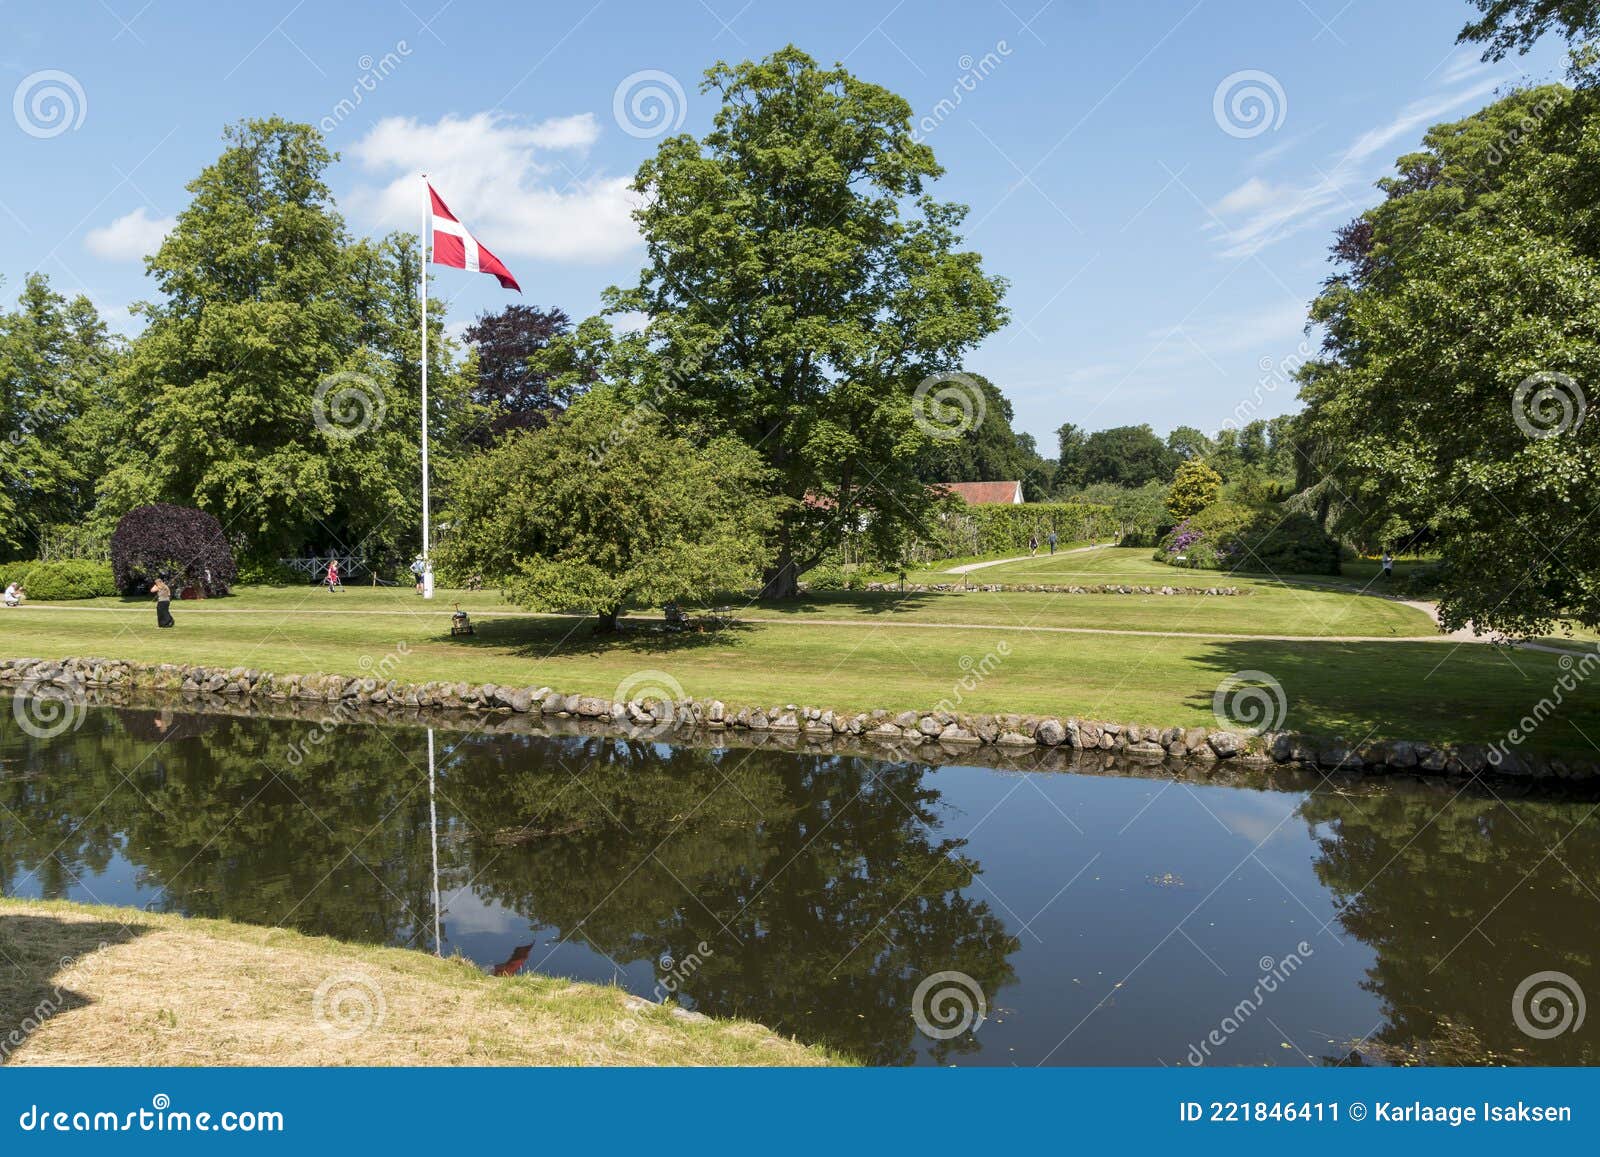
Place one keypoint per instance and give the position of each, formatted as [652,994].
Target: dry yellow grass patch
[114,986]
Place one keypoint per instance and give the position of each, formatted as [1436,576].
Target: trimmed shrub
[183,542]
[68,579]
[1233,536]
[269,574]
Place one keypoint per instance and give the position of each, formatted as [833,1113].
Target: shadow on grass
[539,638]
[866,603]
[34,953]
[1436,692]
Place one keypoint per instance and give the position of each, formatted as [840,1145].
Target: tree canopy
[1516,24]
[275,384]
[607,508]
[801,286]
[1462,356]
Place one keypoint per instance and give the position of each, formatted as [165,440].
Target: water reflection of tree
[1415,878]
[820,885]
[817,883]
[220,816]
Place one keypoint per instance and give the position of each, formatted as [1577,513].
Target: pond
[877,906]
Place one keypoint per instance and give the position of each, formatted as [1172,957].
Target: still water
[1099,919]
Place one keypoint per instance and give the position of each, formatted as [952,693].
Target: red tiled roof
[984,493]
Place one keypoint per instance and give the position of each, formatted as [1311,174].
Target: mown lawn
[890,654]
[120,986]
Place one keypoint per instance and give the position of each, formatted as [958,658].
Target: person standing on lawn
[1052,541]
[163,594]
[333,576]
[1388,565]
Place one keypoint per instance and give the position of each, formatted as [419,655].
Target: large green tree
[56,362]
[275,383]
[1127,456]
[1463,356]
[801,286]
[607,508]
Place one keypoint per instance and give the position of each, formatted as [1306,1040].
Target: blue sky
[1161,240]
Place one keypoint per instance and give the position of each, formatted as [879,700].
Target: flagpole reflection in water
[433,834]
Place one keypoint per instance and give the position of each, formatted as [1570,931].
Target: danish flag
[454,246]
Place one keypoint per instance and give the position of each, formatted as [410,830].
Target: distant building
[987,493]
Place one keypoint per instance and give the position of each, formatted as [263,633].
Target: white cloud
[1259,213]
[524,189]
[129,237]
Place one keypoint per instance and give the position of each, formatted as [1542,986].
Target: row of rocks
[902,732]
[1054,588]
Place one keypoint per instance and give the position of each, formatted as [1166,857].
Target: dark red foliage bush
[187,544]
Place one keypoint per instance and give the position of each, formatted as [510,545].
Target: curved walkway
[972,566]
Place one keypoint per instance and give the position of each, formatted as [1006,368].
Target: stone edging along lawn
[936,733]
[1059,589]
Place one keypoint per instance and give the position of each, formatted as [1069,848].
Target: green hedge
[985,530]
[58,581]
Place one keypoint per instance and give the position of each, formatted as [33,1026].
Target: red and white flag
[454,246]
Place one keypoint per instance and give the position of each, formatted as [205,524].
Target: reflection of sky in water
[1137,913]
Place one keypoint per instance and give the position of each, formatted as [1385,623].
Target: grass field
[1056,653]
[120,986]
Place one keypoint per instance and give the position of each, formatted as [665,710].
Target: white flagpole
[427,538]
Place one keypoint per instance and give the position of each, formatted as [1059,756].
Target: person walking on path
[163,594]
[1033,544]
[1052,541]
[1388,566]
